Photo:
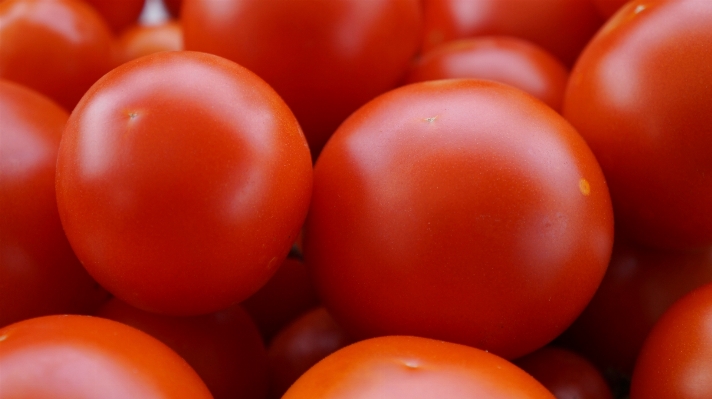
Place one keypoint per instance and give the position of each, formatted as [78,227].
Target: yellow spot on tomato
[584,187]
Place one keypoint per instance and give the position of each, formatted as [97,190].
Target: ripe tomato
[562,27]
[118,14]
[57,47]
[675,360]
[173,7]
[639,95]
[139,40]
[461,210]
[182,182]
[608,7]
[82,357]
[414,368]
[325,58]
[39,273]
[502,59]
[224,348]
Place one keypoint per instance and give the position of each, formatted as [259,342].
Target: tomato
[412,367]
[639,95]
[39,273]
[182,182]
[461,210]
[288,294]
[639,286]
[608,7]
[325,58]
[566,374]
[562,27]
[224,348]
[675,360]
[57,47]
[301,345]
[499,58]
[173,6]
[82,357]
[118,14]
[140,40]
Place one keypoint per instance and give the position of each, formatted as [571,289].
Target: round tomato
[675,360]
[461,210]
[118,14]
[414,368]
[39,273]
[502,59]
[639,95]
[82,357]
[182,182]
[325,58]
[140,40]
[57,47]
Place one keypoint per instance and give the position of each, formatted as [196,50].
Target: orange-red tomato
[461,210]
[325,58]
[414,368]
[119,14]
[563,27]
[140,40]
[182,182]
[56,47]
[82,357]
[608,7]
[509,60]
[39,273]
[224,348]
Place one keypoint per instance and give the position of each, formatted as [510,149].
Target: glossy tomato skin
[563,27]
[325,58]
[39,273]
[461,210]
[141,40]
[502,59]
[182,181]
[675,360]
[413,367]
[639,95]
[83,357]
[566,374]
[224,348]
[608,7]
[56,47]
[118,14]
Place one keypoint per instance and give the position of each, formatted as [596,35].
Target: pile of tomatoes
[356,199]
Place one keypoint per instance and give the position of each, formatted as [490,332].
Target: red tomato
[139,40]
[39,273]
[57,47]
[288,294]
[566,374]
[639,286]
[562,27]
[639,95]
[502,59]
[173,6]
[82,357]
[461,210]
[414,368]
[301,345]
[608,7]
[182,182]
[325,58]
[224,348]
[675,360]
[119,14]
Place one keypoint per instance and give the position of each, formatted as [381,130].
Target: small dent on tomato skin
[584,187]
[411,363]
[431,119]
[132,115]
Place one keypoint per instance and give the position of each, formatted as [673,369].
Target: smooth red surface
[676,359]
[563,27]
[82,357]
[639,95]
[288,294]
[501,59]
[140,40]
[608,7]
[325,58]
[119,14]
[224,348]
[639,286]
[301,345]
[415,368]
[173,6]
[56,47]
[39,273]
[182,182]
[460,210]
[566,374]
